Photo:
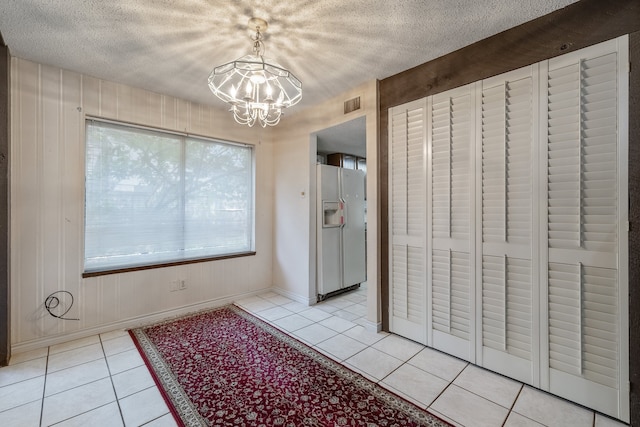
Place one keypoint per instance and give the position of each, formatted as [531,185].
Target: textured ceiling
[348,138]
[330,45]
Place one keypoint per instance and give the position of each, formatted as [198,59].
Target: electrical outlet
[173,286]
[182,284]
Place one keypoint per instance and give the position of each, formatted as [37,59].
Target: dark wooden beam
[579,25]
[5,303]
[634,219]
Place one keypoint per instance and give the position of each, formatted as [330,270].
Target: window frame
[185,136]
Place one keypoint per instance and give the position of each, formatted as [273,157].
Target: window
[155,197]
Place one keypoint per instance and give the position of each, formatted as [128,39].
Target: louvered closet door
[587,348]
[451,232]
[506,211]
[407,145]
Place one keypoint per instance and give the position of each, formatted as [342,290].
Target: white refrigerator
[340,236]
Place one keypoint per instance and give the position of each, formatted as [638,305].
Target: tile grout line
[335,357]
[81,385]
[486,398]
[44,386]
[71,367]
[156,418]
[115,393]
[445,389]
[81,413]
[72,348]
[514,404]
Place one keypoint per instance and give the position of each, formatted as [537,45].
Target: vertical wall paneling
[72,125]
[25,251]
[408,302]
[451,221]
[48,110]
[48,159]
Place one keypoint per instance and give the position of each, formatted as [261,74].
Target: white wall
[48,107]
[294,170]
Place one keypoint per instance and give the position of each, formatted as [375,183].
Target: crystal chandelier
[256,87]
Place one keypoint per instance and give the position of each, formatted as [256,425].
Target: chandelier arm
[217,88]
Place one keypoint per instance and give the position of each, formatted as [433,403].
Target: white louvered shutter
[584,198]
[525,252]
[407,220]
[506,212]
[451,194]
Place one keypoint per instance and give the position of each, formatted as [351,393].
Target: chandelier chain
[258,44]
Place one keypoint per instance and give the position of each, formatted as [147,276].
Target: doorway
[341,208]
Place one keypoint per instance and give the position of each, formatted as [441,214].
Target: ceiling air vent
[351,105]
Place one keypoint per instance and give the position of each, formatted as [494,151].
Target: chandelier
[256,87]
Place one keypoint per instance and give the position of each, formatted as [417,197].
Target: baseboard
[296,297]
[372,326]
[131,322]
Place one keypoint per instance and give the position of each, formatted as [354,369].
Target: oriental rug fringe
[225,367]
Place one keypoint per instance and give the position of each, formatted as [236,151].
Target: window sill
[95,273]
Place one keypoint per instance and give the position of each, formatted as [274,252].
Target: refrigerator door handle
[343,212]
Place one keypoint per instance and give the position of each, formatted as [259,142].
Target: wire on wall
[52,302]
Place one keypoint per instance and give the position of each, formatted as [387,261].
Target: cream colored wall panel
[48,109]
[90,101]
[168,112]
[48,163]
[100,290]
[125,105]
[91,296]
[152,106]
[25,251]
[264,173]
[239,272]
[200,277]
[72,161]
[108,104]
[182,114]
[46,160]
[291,216]
[200,119]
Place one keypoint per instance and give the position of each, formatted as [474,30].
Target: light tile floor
[102,380]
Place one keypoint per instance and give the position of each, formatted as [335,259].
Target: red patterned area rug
[225,367]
